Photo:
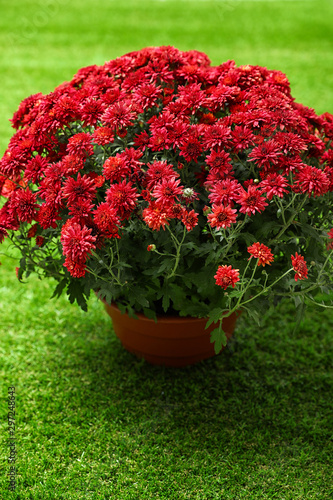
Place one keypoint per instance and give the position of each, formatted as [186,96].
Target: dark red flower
[80,144]
[167,191]
[189,219]
[23,203]
[77,241]
[81,188]
[221,216]
[262,253]
[156,216]
[122,196]
[251,201]
[274,185]
[312,180]
[107,221]
[300,267]
[226,276]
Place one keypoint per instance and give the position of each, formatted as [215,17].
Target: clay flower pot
[172,341]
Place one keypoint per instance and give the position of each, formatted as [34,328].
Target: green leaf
[59,288]
[75,293]
[219,337]
[214,316]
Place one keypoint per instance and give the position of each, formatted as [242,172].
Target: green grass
[93,422]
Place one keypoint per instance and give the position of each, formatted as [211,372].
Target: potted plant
[168,186]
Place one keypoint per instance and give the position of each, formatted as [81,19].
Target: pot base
[172,341]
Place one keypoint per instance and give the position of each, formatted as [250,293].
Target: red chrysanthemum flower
[80,210]
[24,204]
[226,276]
[107,221]
[189,219]
[158,171]
[156,217]
[167,191]
[242,138]
[76,269]
[48,216]
[91,111]
[147,94]
[219,161]
[32,231]
[80,145]
[266,154]
[142,140]
[312,180]
[300,267]
[191,148]
[261,252]
[225,191]
[217,136]
[251,201]
[35,169]
[115,169]
[102,136]
[77,241]
[39,241]
[71,164]
[80,188]
[222,216]
[274,185]
[122,197]
[119,115]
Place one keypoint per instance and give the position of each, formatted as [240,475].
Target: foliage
[167,185]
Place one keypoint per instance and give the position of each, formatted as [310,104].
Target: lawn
[92,421]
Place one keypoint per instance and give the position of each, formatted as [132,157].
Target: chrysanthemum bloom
[72,164]
[261,252]
[299,266]
[225,191]
[80,145]
[115,169]
[48,216]
[119,115]
[158,171]
[222,216]
[32,231]
[190,219]
[156,217]
[35,169]
[102,136]
[226,276]
[147,94]
[24,204]
[312,180]
[266,154]
[122,197]
[76,269]
[274,185]
[251,201]
[167,191]
[39,241]
[106,219]
[81,188]
[76,241]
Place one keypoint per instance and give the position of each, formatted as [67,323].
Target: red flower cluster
[161,137]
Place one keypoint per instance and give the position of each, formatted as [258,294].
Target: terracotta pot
[172,341]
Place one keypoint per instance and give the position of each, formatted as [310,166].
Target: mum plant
[168,185]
